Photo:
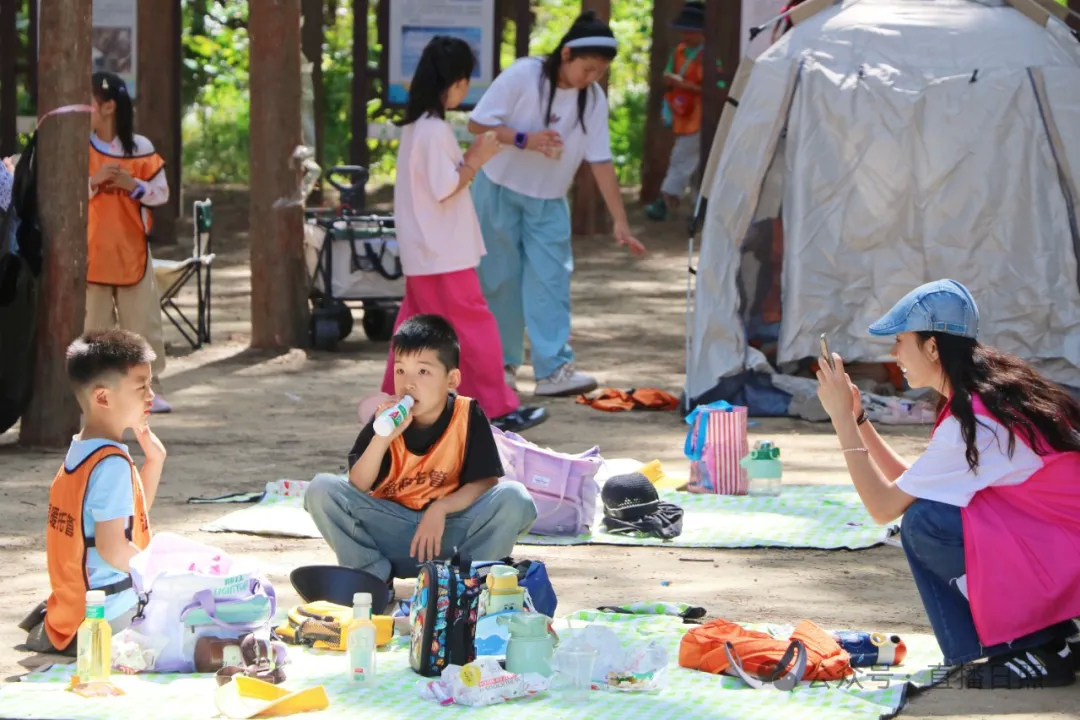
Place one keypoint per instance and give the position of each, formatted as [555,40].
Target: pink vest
[1022,548]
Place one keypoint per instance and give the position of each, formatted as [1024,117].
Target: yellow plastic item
[246,697]
[655,473]
[384,629]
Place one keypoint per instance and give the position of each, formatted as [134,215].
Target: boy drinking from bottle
[431,486]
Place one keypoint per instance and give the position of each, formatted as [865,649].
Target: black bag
[20,279]
[443,614]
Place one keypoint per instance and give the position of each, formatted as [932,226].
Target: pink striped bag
[715,445]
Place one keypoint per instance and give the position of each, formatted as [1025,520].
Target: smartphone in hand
[825,353]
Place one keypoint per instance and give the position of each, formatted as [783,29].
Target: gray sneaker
[510,373]
[565,381]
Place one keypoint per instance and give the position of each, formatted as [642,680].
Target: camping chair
[173,275]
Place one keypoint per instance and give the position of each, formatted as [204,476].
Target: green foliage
[215,84]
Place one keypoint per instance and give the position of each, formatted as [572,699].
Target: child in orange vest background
[98,502]
[127,180]
[682,109]
[431,486]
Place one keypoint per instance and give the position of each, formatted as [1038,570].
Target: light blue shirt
[108,497]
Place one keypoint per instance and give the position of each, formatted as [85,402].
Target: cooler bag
[188,590]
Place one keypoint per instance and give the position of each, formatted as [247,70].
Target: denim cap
[943,306]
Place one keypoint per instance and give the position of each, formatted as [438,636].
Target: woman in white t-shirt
[991,510]
[551,114]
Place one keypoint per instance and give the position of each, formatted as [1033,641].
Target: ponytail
[585,29]
[444,62]
[110,86]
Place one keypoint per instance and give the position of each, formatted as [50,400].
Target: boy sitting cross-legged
[98,502]
[431,487]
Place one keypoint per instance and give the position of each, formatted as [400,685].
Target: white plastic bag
[480,683]
[633,667]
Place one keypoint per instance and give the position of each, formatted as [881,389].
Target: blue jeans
[525,274]
[933,537]
[374,535]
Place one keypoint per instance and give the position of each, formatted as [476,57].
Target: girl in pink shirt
[439,234]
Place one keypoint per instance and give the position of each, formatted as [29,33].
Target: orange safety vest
[416,480]
[66,545]
[118,225]
[686,105]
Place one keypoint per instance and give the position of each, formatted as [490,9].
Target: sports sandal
[1021,669]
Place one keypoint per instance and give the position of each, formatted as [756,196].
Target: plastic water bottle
[94,641]
[763,469]
[360,642]
[389,420]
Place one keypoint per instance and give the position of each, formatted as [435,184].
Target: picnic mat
[803,516]
[688,694]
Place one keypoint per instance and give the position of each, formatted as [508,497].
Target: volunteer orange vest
[66,546]
[118,225]
[416,480]
[686,105]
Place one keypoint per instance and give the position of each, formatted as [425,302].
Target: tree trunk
[62,156]
[157,96]
[279,304]
[9,59]
[658,139]
[588,214]
[312,43]
[723,21]
[359,154]
[523,20]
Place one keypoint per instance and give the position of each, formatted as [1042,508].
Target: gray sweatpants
[374,535]
[685,156]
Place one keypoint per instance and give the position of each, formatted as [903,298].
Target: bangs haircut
[428,332]
[97,355]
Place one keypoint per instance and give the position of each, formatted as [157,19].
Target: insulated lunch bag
[563,486]
[188,591]
[443,614]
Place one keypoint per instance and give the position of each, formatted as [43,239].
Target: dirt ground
[244,417]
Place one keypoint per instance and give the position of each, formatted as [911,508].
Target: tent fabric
[915,145]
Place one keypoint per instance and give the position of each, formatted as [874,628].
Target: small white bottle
[360,642]
[388,420]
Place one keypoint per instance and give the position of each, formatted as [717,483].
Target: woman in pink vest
[991,510]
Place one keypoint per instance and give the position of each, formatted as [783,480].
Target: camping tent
[900,141]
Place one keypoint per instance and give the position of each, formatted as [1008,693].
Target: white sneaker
[160,405]
[565,381]
[510,373]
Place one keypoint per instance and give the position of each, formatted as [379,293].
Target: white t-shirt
[518,100]
[942,472]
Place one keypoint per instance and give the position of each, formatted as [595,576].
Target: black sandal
[1045,666]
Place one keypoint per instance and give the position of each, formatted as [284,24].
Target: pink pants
[457,297]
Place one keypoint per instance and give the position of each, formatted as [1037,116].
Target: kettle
[532,643]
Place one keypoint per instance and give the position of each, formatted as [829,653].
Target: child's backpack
[443,614]
[563,486]
[20,279]
[188,591]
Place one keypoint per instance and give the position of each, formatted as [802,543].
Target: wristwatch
[138,192]
[862,419]
[520,140]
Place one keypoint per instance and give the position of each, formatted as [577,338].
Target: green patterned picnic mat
[804,516]
[688,695]
[828,517]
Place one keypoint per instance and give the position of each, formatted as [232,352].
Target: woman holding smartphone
[991,510]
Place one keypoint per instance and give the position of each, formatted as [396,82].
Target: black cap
[692,17]
[631,504]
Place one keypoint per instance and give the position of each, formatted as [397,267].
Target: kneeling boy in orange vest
[98,501]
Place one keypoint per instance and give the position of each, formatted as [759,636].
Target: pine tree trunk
[63,162]
[588,214]
[279,304]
